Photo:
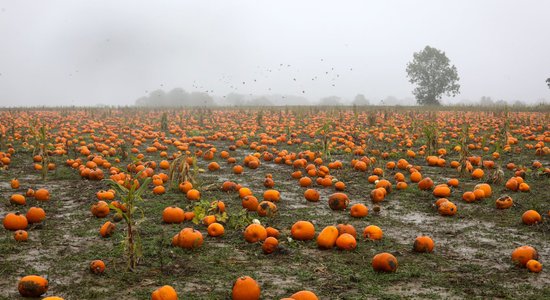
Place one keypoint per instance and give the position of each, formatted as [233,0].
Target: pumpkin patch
[254,203]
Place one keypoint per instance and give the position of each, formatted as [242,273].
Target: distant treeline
[178,97]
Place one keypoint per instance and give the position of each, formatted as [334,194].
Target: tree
[330,101]
[433,75]
[360,100]
[548,82]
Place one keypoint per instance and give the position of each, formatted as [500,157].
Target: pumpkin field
[274,203]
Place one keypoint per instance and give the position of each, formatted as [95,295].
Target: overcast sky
[112,52]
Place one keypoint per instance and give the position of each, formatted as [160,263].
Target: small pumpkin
[327,237]
[504,202]
[303,231]
[164,293]
[534,266]
[42,195]
[346,241]
[215,229]
[32,286]
[250,203]
[423,244]
[531,217]
[107,229]
[189,238]
[373,232]
[255,233]
[338,201]
[384,262]
[270,245]
[97,266]
[15,221]
[36,215]
[266,209]
[21,235]
[100,209]
[359,210]
[173,214]
[447,208]
[304,295]
[18,199]
[245,288]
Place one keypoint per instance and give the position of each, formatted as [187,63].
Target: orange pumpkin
[384,262]
[303,231]
[245,288]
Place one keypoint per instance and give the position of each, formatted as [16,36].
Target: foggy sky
[112,52]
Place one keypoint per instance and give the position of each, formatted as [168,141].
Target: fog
[276,52]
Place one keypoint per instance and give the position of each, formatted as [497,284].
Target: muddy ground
[471,257]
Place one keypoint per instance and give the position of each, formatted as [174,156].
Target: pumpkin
[189,238]
[35,215]
[14,183]
[266,209]
[302,231]
[312,195]
[215,230]
[32,286]
[338,201]
[425,184]
[305,181]
[100,209]
[327,237]
[346,241]
[18,199]
[531,217]
[346,228]
[185,186]
[384,262]
[447,208]
[42,195]
[159,190]
[478,174]
[339,186]
[359,210]
[512,184]
[272,232]
[15,221]
[250,203]
[383,183]
[107,229]
[272,196]
[193,195]
[255,233]
[378,195]
[164,293]
[504,202]
[304,295]
[97,266]
[245,288]
[469,197]
[534,266]
[373,232]
[270,245]
[442,191]
[523,254]
[21,235]
[423,244]
[486,189]
[173,214]
[243,192]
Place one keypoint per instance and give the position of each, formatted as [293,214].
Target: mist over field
[87,53]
